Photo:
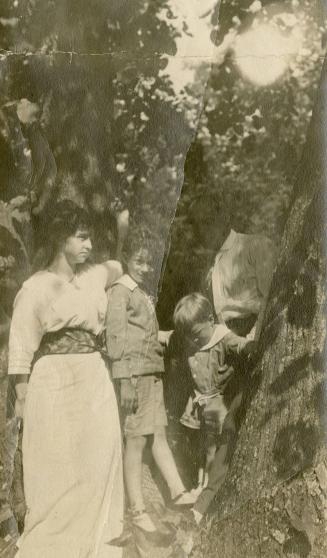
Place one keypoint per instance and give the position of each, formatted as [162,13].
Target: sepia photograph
[163,175]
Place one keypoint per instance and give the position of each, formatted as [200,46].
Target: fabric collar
[229,241]
[219,333]
[127,281]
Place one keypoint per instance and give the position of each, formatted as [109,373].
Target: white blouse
[47,302]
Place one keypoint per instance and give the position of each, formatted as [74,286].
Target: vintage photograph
[163,278]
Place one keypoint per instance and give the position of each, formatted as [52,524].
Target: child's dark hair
[138,239]
[191,309]
[63,221]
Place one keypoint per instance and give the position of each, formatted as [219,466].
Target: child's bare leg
[166,464]
[133,470]
[165,461]
[210,456]
[133,457]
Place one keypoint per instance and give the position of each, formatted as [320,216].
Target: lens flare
[263,53]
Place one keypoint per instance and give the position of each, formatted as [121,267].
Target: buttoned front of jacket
[132,331]
[212,366]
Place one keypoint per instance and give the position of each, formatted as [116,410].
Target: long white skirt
[72,460]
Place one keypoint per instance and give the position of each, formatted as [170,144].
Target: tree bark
[274,500]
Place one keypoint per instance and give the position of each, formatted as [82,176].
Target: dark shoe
[124,538]
[184,500]
[133,532]
[155,538]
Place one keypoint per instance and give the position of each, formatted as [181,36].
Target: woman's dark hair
[63,221]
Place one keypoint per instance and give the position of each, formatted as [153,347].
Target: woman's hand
[19,408]
[128,396]
[164,336]
[21,390]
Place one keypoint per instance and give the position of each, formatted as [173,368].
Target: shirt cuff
[19,368]
[121,370]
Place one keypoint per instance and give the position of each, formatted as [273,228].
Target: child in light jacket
[137,366]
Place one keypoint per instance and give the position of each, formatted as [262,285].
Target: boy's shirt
[132,331]
[212,366]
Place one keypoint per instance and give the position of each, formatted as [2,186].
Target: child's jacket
[132,331]
[211,366]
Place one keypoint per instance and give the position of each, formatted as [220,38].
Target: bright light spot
[144,117]
[121,167]
[255,7]
[263,53]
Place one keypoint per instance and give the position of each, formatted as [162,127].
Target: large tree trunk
[274,500]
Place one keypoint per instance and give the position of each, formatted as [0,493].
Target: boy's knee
[211,452]
[137,443]
[160,433]
[159,437]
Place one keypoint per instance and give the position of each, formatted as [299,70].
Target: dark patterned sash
[69,341]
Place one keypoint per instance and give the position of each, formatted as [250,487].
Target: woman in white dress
[71,442]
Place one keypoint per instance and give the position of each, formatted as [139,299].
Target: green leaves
[11,212]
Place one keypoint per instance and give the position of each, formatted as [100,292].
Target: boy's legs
[217,475]
[210,454]
[133,458]
[149,420]
[213,417]
[221,461]
[133,470]
[165,462]
[161,451]
[137,430]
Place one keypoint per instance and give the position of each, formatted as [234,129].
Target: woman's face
[77,247]
[139,266]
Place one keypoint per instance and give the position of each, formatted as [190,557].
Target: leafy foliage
[99,116]
[10,213]
[249,138]
[104,120]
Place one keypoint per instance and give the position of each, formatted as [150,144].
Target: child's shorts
[207,414]
[213,416]
[151,412]
[191,415]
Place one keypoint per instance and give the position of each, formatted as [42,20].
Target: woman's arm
[164,336]
[239,345]
[26,332]
[112,270]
